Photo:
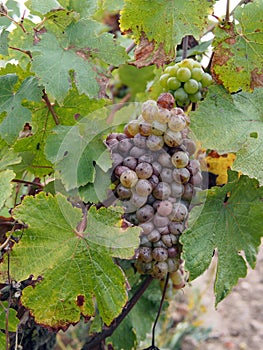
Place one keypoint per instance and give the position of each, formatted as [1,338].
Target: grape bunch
[155,177]
[186,80]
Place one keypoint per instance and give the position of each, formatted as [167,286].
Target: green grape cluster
[186,80]
[155,177]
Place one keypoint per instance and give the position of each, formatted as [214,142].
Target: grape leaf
[165,22]
[231,222]
[13,11]
[11,103]
[12,319]
[42,7]
[6,176]
[74,51]
[238,54]
[231,123]
[76,266]
[3,41]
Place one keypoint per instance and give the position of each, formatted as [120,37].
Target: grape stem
[185,47]
[98,338]
[50,107]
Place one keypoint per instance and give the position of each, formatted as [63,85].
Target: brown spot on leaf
[256,79]
[146,54]
[80,300]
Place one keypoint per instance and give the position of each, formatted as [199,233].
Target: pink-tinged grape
[162,191]
[195,97]
[180,95]
[164,230]
[116,159]
[147,227]
[146,157]
[136,152]
[196,179]
[179,213]
[166,175]
[145,213]
[139,141]
[149,109]
[206,80]
[191,86]
[177,122]
[123,192]
[160,221]
[197,73]
[189,192]
[121,136]
[143,187]
[160,254]
[181,175]
[173,83]
[133,127]
[154,180]
[158,128]
[129,178]
[193,166]
[163,115]
[172,138]
[176,228]
[173,264]
[163,80]
[180,159]
[190,146]
[154,142]
[160,270]
[154,236]
[119,170]
[166,100]
[164,160]
[124,146]
[130,162]
[172,252]
[145,129]
[177,190]
[137,200]
[144,170]
[171,70]
[145,254]
[183,74]
[167,240]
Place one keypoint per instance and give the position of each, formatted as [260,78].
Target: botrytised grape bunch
[186,80]
[155,177]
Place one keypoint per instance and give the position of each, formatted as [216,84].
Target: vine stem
[50,108]
[227,11]
[108,331]
[27,183]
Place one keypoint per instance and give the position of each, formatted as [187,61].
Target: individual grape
[117,159]
[145,129]
[158,128]
[172,138]
[144,170]
[130,162]
[197,64]
[166,175]
[180,95]
[159,244]
[163,80]
[195,97]
[154,180]
[171,70]
[126,132]
[197,73]
[133,127]
[144,242]
[112,143]
[183,74]
[146,157]
[166,100]
[167,240]
[145,213]
[154,142]
[163,115]
[180,159]
[160,254]
[179,213]
[176,228]
[160,221]
[137,200]
[191,86]
[181,175]
[119,170]
[149,109]
[129,178]
[189,146]
[189,192]
[162,191]
[173,264]
[123,192]
[196,179]
[193,166]
[160,270]
[206,80]
[177,190]
[164,160]
[154,236]
[145,254]
[139,141]
[121,136]
[177,122]
[136,152]
[147,227]
[151,199]
[173,83]
[172,252]
[143,187]
[164,230]
[187,63]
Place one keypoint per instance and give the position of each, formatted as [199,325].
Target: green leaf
[165,22]
[232,123]
[76,266]
[74,50]
[231,222]
[6,176]
[238,57]
[43,7]
[11,103]
[8,157]
[13,11]
[3,41]
[13,321]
